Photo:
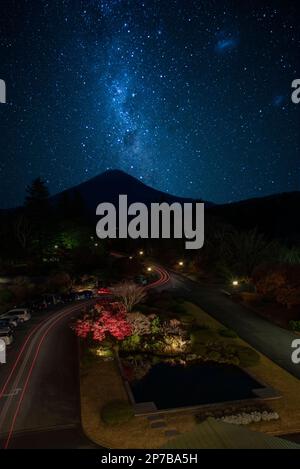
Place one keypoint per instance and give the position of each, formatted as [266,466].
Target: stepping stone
[155,417]
[144,408]
[172,433]
[158,424]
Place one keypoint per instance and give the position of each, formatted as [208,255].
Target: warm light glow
[235,283]
[149,269]
[102,352]
[141,253]
[180,263]
[130,257]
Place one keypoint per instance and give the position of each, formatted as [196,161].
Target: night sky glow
[192,97]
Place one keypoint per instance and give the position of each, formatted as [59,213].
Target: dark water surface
[171,386]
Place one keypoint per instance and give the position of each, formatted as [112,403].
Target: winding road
[39,384]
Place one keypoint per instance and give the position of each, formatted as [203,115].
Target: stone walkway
[158,421]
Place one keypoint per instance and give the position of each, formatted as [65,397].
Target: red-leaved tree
[106,322]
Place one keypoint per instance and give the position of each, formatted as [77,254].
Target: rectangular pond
[171,386]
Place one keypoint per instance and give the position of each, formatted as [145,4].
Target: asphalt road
[268,338]
[39,385]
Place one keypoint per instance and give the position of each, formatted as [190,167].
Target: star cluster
[191,96]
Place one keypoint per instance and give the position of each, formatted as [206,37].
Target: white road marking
[15,392]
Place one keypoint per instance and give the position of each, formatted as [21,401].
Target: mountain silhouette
[275,215]
[107,186]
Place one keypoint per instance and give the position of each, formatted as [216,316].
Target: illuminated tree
[107,322]
[140,323]
[129,293]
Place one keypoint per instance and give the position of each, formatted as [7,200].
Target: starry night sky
[192,97]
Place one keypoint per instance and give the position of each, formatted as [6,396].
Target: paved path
[269,339]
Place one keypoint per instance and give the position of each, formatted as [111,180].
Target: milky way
[192,97]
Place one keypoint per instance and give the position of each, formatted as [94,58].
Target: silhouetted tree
[37,209]
[36,202]
[23,230]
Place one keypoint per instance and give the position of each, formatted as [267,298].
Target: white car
[22,314]
[6,335]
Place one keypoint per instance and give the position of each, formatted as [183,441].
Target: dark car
[69,297]
[85,294]
[7,323]
[6,335]
[38,304]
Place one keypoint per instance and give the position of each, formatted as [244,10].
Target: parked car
[104,291]
[52,299]
[85,294]
[8,323]
[69,297]
[22,314]
[14,321]
[6,335]
[38,304]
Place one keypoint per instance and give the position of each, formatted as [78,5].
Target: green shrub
[247,356]
[214,356]
[228,333]
[131,343]
[155,325]
[295,325]
[6,296]
[116,412]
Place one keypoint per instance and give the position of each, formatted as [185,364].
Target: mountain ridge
[107,186]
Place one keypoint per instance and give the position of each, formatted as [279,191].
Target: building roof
[213,434]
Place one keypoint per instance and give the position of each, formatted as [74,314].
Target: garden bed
[271,310]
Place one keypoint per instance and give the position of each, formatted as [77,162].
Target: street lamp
[235,283]
[141,253]
[180,263]
[149,269]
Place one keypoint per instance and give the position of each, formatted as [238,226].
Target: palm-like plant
[244,250]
